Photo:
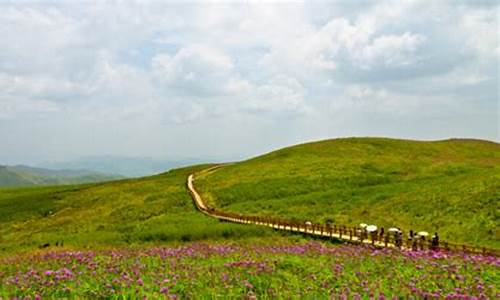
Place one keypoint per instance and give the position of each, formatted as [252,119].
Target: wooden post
[350,234]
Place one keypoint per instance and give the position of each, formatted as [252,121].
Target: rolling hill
[126,166]
[28,176]
[450,186]
[149,210]
[133,237]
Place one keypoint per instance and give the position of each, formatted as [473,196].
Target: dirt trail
[344,233]
[278,225]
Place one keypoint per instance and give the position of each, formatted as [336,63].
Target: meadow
[151,210]
[144,238]
[452,186]
[269,269]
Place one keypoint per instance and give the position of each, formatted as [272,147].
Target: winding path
[335,232]
[280,225]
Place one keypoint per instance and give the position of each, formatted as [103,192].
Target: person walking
[410,238]
[435,241]
[422,242]
[381,234]
[399,239]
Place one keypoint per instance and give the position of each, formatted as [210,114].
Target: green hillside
[451,186]
[150,210]
[12,176]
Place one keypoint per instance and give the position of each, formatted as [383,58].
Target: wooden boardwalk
[345,233]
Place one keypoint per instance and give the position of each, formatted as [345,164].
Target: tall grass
[452,186]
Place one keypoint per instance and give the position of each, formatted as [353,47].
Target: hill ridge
[445,186]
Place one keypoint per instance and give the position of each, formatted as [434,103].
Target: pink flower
[140,282]
[248,284]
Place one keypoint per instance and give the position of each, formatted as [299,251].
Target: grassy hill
[117,226]
[450,186]
[150,210]
[29,176]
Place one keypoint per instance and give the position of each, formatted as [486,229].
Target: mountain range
[21,175]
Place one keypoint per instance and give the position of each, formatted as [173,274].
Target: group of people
[415,240]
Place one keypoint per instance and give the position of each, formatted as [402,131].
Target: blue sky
[235,79]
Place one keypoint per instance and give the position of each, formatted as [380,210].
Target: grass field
[269,269]
[143,237]
[151,210]
[451,186]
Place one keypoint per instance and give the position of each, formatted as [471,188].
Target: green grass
[292,269]
[151,210]
[451,186]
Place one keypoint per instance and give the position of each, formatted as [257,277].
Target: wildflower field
[284,269]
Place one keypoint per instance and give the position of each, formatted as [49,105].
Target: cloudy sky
[234,79]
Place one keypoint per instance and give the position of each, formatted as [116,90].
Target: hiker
[386,239]
[381,234]
[372,230]
[435,241]
[422,242]
[399,239]
[410,237]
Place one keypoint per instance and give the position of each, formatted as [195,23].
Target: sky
[236,79]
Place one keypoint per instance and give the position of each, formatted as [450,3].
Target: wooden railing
[346,233]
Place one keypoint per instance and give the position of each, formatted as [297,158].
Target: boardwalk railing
[346,233]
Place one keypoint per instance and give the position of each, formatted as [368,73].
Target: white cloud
[280,94]
[482,31]
[366,99]
[11,108]
[168,64]
[391,51]
[193,70]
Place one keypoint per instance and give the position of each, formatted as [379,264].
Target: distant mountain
[29,176]
[126,166]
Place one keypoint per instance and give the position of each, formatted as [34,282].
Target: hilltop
[450,186]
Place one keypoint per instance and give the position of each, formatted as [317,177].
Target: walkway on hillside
[337,232]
